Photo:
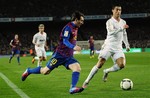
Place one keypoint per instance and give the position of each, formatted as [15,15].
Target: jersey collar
[115,19]
[73,25]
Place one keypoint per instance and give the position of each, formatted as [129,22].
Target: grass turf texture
[57,83]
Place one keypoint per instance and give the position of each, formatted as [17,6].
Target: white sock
[92,73]
[36,58]
[113,68]
[39,63]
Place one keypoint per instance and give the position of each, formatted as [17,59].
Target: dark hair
[116,5]
[76,15]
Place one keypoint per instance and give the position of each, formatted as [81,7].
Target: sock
[75,78]
[36,58]
[39,63]
[113,68]
[18,59]
[35,70]
[10,58]
[92,73]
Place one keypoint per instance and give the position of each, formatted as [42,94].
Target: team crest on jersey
[66,33]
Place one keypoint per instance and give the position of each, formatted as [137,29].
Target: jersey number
[53,61]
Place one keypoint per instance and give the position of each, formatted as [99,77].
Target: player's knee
[79,69]
[40,58]
[44,59]
[45,71]
[121,65]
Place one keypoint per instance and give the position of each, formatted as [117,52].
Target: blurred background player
[15,44]
[64,53]
[39,40]
[116,33]
[91,46]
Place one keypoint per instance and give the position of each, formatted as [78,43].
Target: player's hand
[128,49]
[77,48]
[125,26]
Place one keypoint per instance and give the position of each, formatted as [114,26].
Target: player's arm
[125,40]
[34,40]
[20,43]
[66,36]
[112,30]
[11,43]
[46,47]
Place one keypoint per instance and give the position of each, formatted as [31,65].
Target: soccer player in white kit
[112,47]
[39,40]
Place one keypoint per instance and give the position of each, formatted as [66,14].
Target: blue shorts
[92,48]
[15,51]
[57,60]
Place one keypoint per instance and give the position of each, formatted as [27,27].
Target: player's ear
[76,19]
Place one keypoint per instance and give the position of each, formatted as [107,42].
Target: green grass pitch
[57,83]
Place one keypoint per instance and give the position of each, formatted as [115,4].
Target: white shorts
[40,52]
[114,54]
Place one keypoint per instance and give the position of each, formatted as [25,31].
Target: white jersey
[40,39]
[115,34]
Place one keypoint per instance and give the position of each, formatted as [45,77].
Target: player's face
[117,11]
[80,22]
[41,29]
[16,36]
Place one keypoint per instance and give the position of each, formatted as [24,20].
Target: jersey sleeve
[34,39]
[111,29]
[66,35]
[46,39]
[11,43]
[125,39]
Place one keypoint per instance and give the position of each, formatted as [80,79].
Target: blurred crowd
[138,32]
[59,8]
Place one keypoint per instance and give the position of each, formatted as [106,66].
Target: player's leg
[40,56]
[75,67]
[53,63]
[34,59]
[44,58]
[103,56]
[18,56]
[92,52]
[39,63]
[93,71]
[12,55]
[119,63]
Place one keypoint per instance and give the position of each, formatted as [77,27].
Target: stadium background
[30,13]
[137,17]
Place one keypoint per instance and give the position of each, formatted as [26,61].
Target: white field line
[14,87]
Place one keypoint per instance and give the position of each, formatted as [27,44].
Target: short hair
[77,15]
[41,25]
[113,6]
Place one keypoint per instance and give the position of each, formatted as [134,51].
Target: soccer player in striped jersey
[15,44]
[91,46]
[64,53]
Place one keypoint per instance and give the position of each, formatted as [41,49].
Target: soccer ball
[126,84]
